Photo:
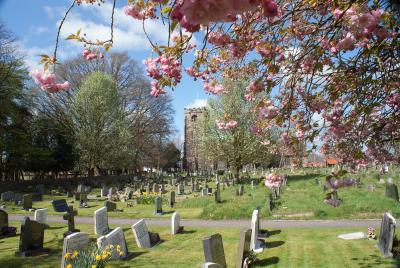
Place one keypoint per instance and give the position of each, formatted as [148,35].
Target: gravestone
[204,192]
[392,191]
[155,188]
[273,192]
[18,199]
[41,215]
[243,248]
[148,188]
[176,223]
[31,239]
[181,189]
[252,184]
[80,189]
[7,196]
[70,217]
[213,248]
[60,205]
[171,199]
[158,205]
[115,237]
[101,221]
[352,236]
[270,203]
[255,244]
[5,230]
[77,196]
[144,238]
[83,198]
[217,194]
[74,242]
[111,206]
[27,201]
[387,235]
[104,191]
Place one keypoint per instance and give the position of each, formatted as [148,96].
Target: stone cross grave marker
[176,224]
[213,248]
[158,205]
[101,221]
[115,237]
[76,241]
[255,244]
[31,239]
[70,217]
[41,215]
[171,199]
[27,201]
[386,235]
[60,205]
[243,248]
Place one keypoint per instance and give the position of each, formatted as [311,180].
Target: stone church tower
[191,159]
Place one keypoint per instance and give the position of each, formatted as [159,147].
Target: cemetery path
[225,223]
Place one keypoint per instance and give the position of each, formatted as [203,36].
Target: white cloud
[39,30]
[197,103]
[49,11]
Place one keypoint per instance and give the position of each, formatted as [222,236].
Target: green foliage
[92,255]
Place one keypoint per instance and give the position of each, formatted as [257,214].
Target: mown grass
[301,199]
[285,248]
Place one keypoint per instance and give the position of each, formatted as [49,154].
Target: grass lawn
[287,248]
[301,196]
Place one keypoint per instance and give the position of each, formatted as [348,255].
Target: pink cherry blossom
[46,80]
[222,125]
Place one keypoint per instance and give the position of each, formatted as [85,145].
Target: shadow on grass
[54,228]
[188,231]
[274,232]
[376,261]
[268,261]
[274,244]
[132,255]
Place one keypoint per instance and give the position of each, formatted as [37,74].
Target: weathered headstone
[270,203]
[144,238]
[176,223]
[155,188]
[392,191]
[104,191]
[171,199]
[181,189]
[243,248]
[83,198]
[213,248]
[387,235]
[7,196]
[101,221]
[204,192]
[158,205]
[255,244]
[352,236]
[5,230]
[27,201]
[70,217]
[41,215]
[217,194]
[74,242]
[60,205]
[116,237]
[31,239]
[111,206]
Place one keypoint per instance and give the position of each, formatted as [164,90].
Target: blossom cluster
[90,55]
[226,125]
[47,81]
[274,180]
[140,11]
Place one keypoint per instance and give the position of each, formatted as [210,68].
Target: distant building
[191,159]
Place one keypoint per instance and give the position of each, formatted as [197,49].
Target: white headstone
[101,221]
[255,244]
[141,234]
[351,236]
[175,223]
[75,241]
[115,238]
[41,215]
[211,265]
[390,180]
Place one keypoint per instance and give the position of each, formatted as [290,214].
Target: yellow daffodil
[69,266]
[94,266]
[67,256]
[98,257]
[75,254]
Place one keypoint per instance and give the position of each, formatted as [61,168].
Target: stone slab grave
[6,230]
[7,196]
[111,206]
[115,237]
[76,241]
[353,236]
[176,224]
[213,248]
[158,206]
[70,217]
[60,205]
[391,191]
[243,248]
[387,235]
[18,199]
[31,239]
[101,221]
[255,244]
[41,215]
[27,201]
[144,238]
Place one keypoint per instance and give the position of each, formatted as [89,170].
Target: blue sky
[34,22]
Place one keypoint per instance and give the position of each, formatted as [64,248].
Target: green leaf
[166,10]
[71,37]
